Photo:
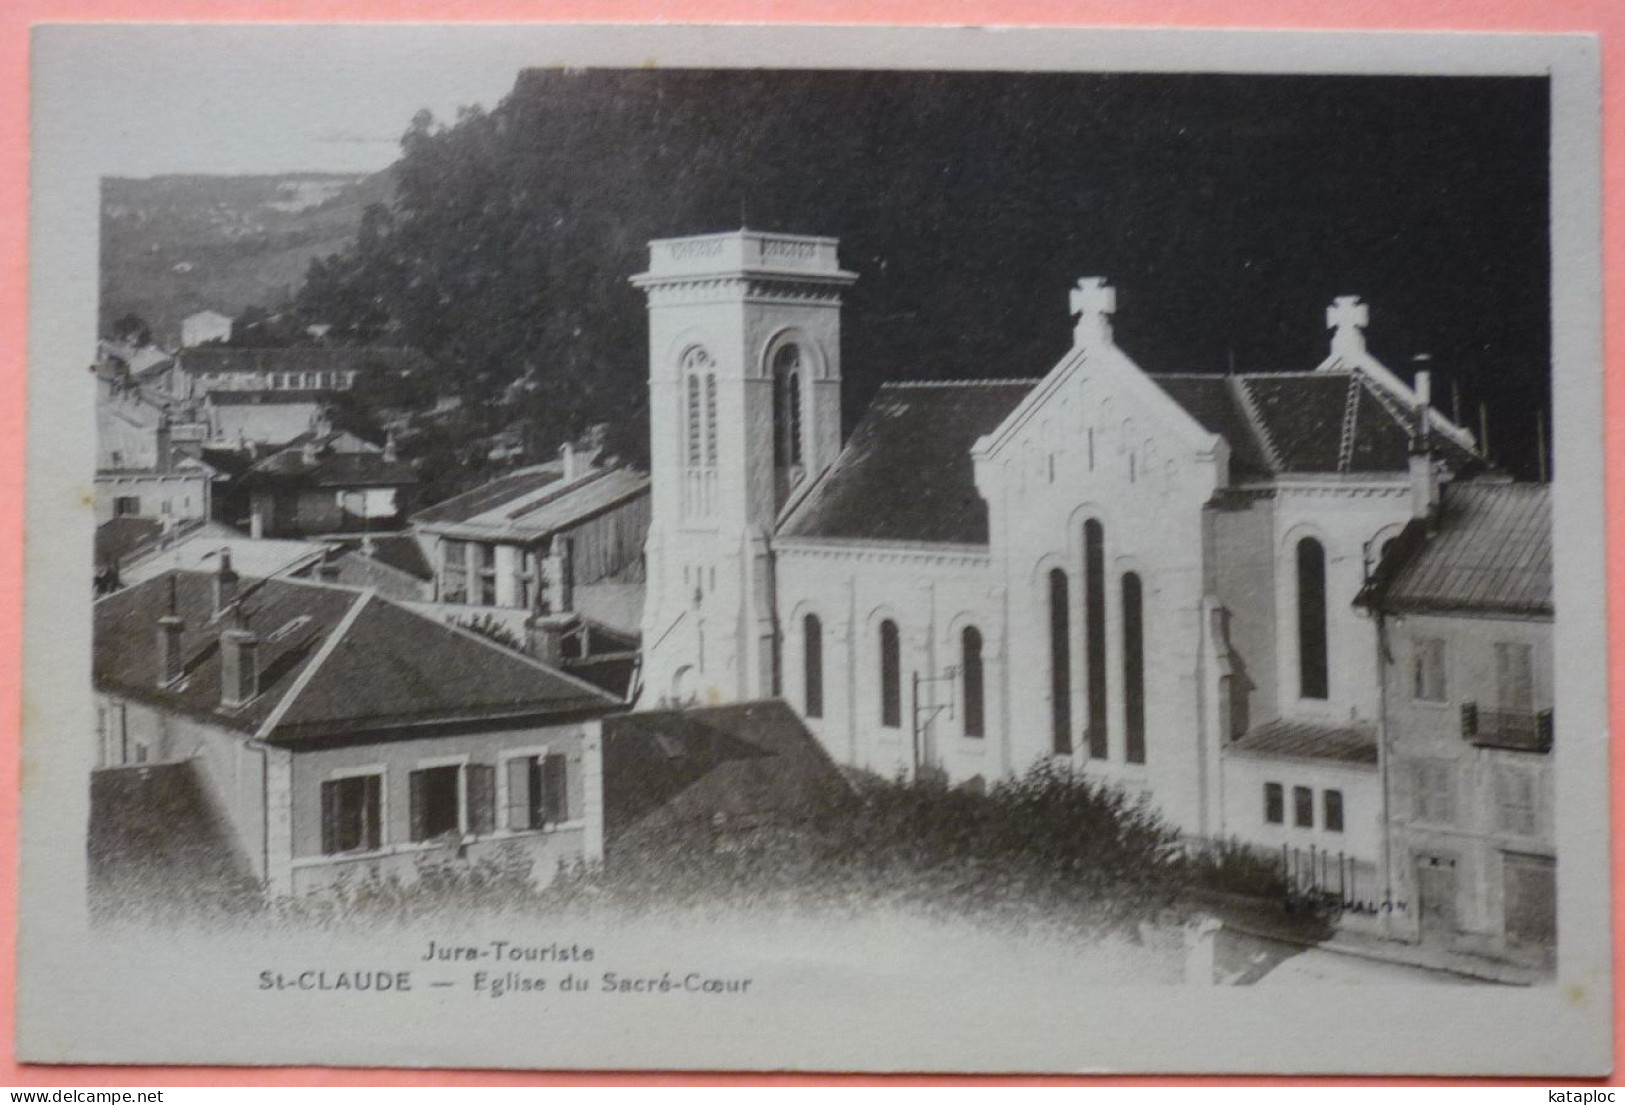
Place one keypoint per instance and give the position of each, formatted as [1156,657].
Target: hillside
[173,245]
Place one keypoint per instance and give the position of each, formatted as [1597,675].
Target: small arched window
[1313,669]
[812,633]
[891,677]
[970,668]
[1060,664]
[1133,669]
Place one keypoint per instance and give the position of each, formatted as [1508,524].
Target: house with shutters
[1462,604]
[339,735]
[1150,576]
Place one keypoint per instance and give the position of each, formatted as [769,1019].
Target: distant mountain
[173,245]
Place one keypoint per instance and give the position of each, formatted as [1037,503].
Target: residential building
[1463,606]
[340,736]
[320,485]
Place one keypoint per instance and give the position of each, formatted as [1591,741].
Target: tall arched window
[891,677]
[970,668]
[1094,633]
[812,651]
[1133,669]
[787,374]
[1312,665]
[699,383]
[1060,664]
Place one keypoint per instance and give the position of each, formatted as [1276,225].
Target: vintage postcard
[815,548]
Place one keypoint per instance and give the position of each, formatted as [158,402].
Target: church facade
[1151,576]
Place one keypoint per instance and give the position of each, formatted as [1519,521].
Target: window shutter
[574,785]
[1469,719]
[330,818]
[372,807]
[419,781]
[519,803]
[555,798]
[482,799]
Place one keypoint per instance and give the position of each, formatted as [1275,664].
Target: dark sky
[1227,210]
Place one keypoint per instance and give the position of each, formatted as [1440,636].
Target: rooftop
[335,665]
[906,472]
[1488,551]
[324,358]
[1287,739]
[533,503]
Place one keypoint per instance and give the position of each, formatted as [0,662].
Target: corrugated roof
[1288,739]
[1489,550]
[906,473]
[334,661]
[490,496]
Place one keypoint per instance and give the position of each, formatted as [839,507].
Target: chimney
[170,630]
[567,453]
[564,575]
[225,584]
[328,570]
[239,667]
[1424,476]
[390,456]
[308,452]
[545,634]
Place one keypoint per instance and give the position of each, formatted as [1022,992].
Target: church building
[1151,576]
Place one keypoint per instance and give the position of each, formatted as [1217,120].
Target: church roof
[1336,421]
[1488,551]
[1285,738]
[906,472]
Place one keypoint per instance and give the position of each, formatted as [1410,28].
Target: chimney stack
[567,452]
[170,629]
[564,575]
[390,456]
[225,584]
[545,634]
[1424,476]
[239,667]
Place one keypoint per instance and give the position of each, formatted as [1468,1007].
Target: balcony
[1513,730]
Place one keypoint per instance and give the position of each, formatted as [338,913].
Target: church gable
[906,474]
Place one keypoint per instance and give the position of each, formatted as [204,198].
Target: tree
[132,329]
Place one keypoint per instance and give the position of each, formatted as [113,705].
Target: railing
[1515,730]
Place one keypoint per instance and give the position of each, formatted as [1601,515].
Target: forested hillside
[1228,211]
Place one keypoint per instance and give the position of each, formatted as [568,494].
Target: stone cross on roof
[1093,301]
[1346,318]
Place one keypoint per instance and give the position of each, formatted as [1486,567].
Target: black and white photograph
[816,549]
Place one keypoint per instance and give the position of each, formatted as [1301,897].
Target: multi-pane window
[539,791]
[352,810]
[1303,807]
[970,668]
[454,571]
[1274,804]
[1428,670]
[1313,672]
[1331,805]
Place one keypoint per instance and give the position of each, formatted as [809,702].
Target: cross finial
[1346,318]
[1093,301]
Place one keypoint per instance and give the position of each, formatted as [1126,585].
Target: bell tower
[744,412]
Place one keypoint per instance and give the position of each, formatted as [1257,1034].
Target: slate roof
[117,538]
[400,551]
[748,762]
[906,473]
[334,663]
[1328,421]
[1488,551]
[533,508]
[1288,739]
[298,359]
[331,469]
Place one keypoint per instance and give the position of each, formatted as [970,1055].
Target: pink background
[1605,18]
